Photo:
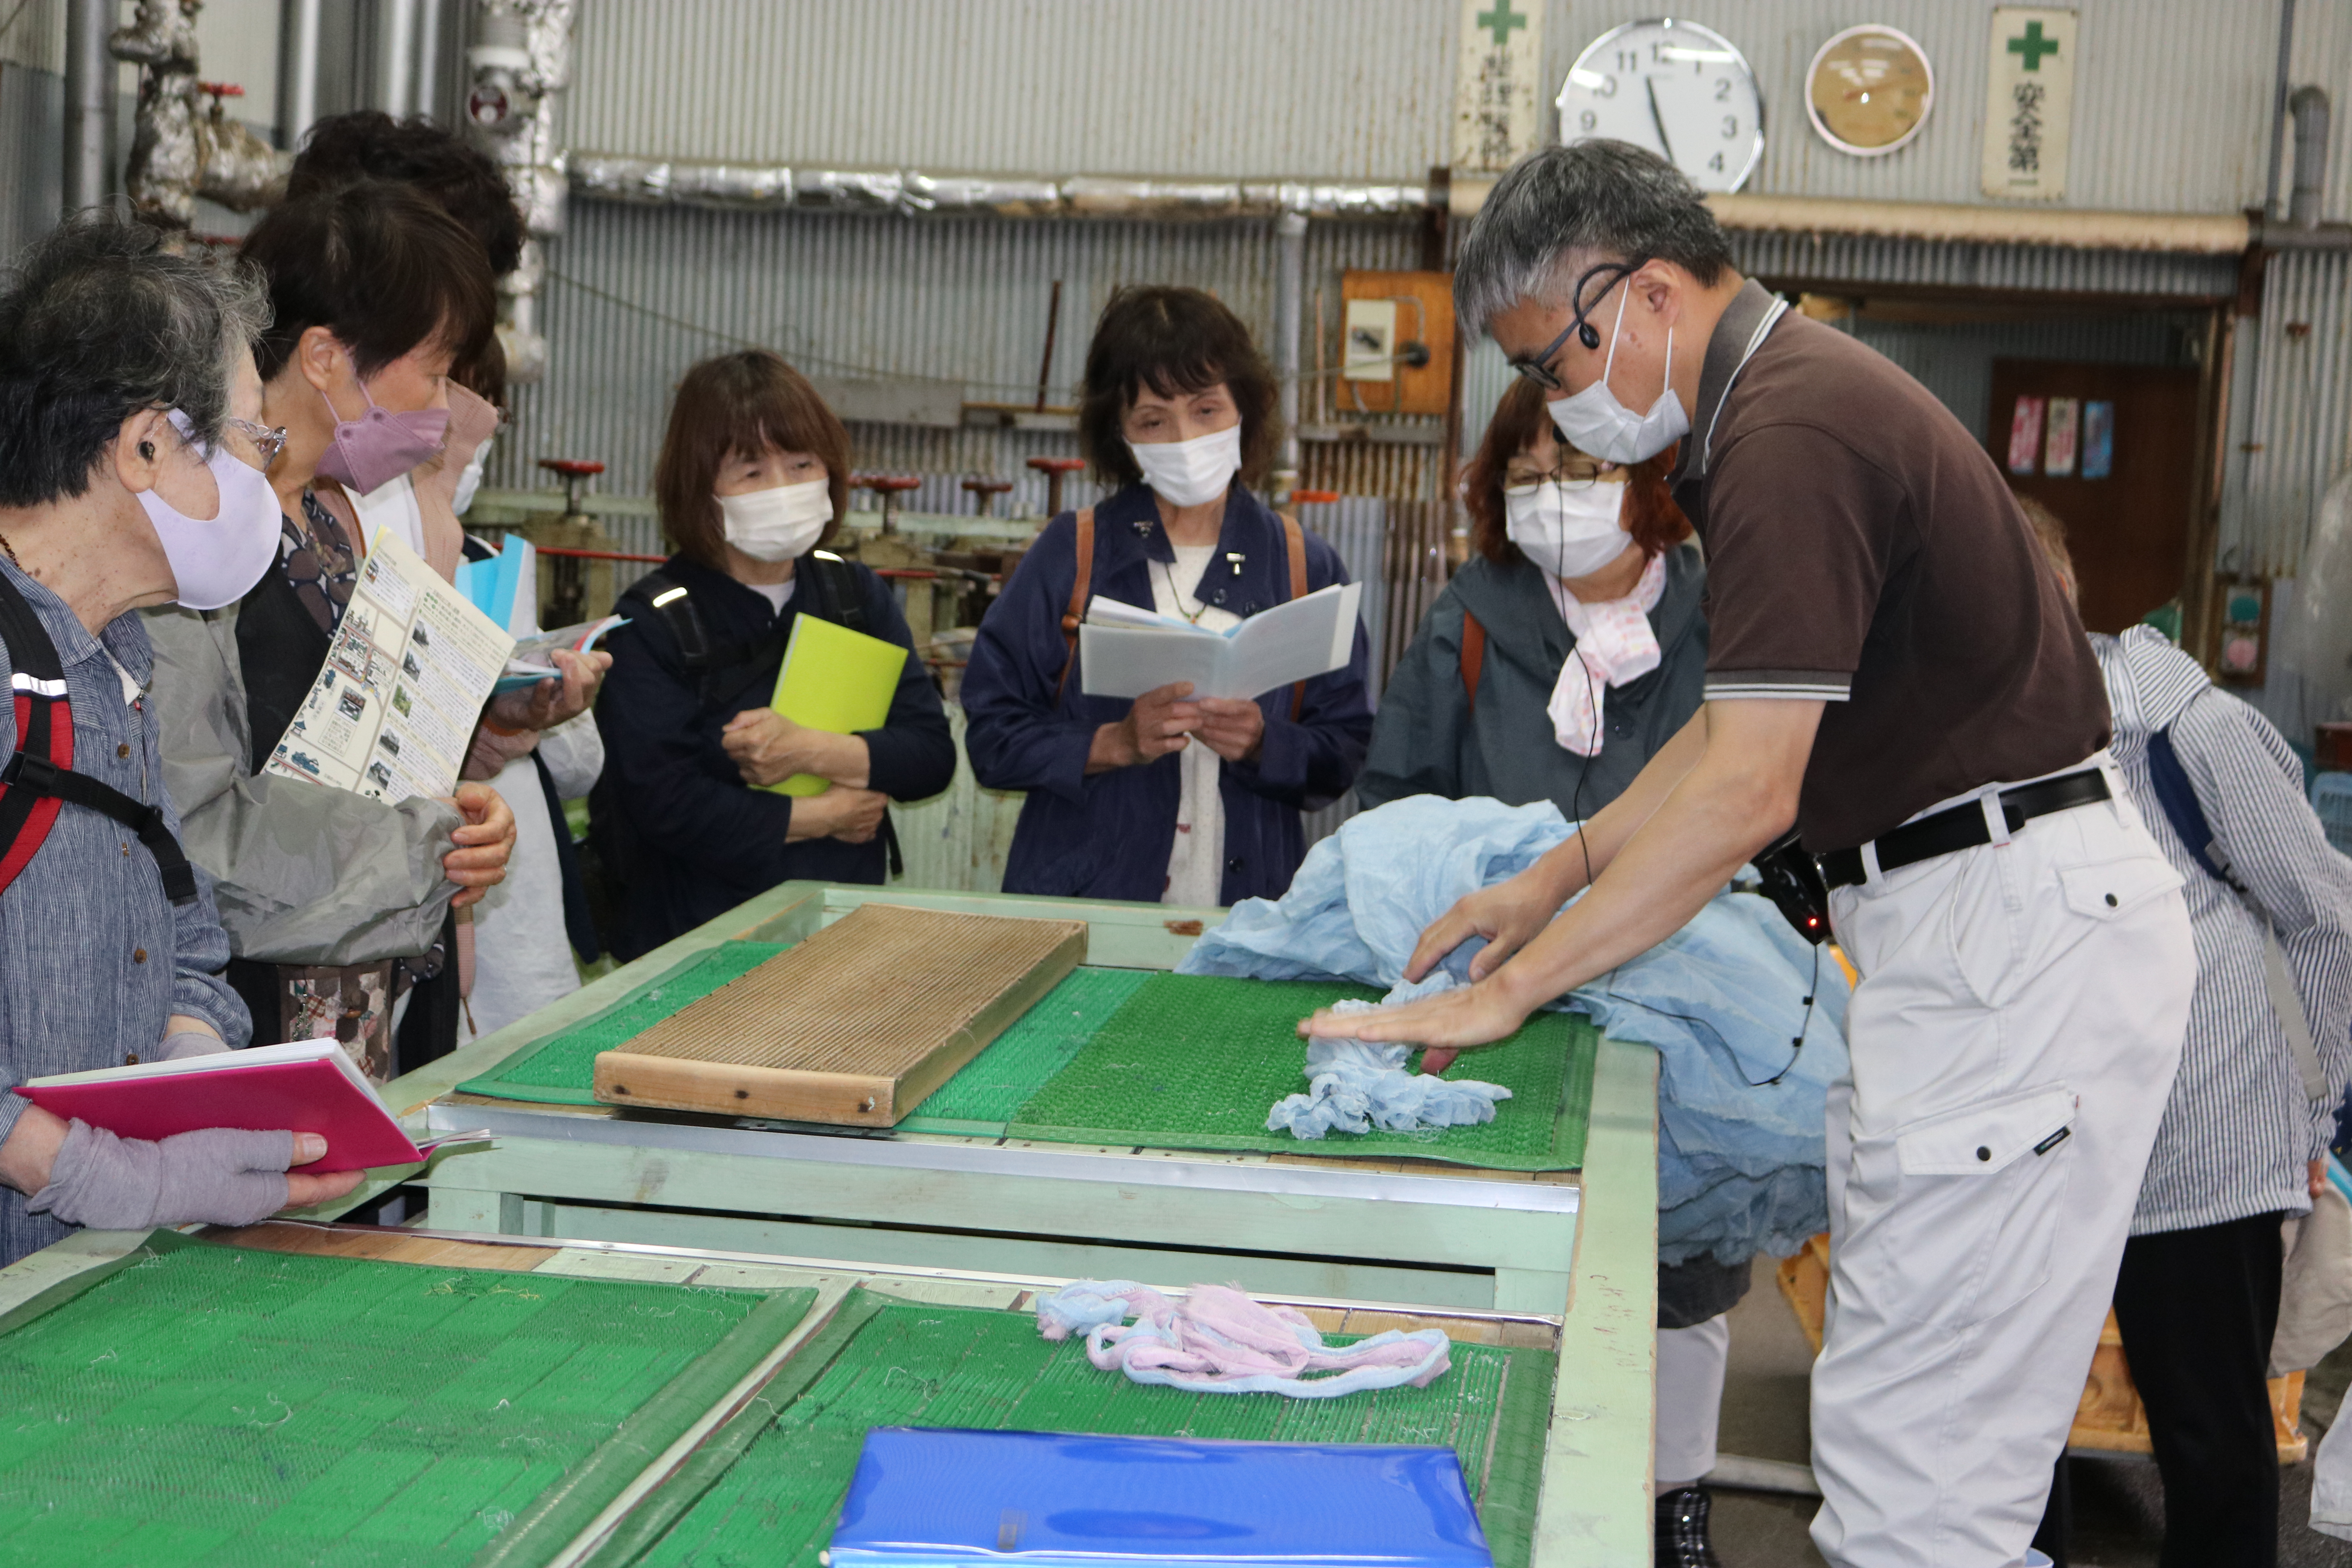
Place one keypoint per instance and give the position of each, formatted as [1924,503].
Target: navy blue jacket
[686,837]
[1108,837]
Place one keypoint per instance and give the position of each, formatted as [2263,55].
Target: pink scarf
[1615,644]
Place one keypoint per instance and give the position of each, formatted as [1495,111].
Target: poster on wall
[2058,450]
[2098,439]
[1497,87]
[2025,436]
[2028,103]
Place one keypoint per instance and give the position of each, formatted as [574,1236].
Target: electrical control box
[1396,343]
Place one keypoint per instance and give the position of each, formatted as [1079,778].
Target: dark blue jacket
[688,839]
[1108,837]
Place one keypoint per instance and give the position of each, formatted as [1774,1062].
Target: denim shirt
[93,956]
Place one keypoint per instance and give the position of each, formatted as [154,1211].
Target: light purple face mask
[376,448]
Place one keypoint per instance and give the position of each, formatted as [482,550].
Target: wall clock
[1869,91]
[1677,88]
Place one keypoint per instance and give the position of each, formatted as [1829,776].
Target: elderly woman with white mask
[130,475]
[1558,661]
[753,479]
[1172,798]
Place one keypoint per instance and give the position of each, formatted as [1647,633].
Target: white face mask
[1190,473]
[779,523]
[1570,530]
[1593,420]
[469,481]
[217,561]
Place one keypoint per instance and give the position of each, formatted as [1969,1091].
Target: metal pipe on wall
[1289,297]
[2310,110]
[297,69]
[89,103]
[424,73]
[395,57]
[2278,106]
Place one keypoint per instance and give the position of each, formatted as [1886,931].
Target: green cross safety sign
[2030,43]
[1502,20]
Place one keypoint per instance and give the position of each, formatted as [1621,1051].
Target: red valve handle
[1058,465]
[1314,498]
[574,467]
[988,487]
[221,89]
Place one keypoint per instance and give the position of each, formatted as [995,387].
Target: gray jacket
[1427,740]
[303,874]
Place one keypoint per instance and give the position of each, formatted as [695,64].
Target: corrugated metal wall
[2295,428]
[1955,363]
[32,129]
[1362,89]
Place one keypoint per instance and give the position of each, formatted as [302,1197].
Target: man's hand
[1505,914]
[852,815]
[1161,722]
[551,703]
[1233,727]
[2318,1178]
[484,841]
[767,748]
[1448,1023]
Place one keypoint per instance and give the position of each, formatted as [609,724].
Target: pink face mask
[376,448]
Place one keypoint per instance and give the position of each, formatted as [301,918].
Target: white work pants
[1691,1363]
[2014,1040]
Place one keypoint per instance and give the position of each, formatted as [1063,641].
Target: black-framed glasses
[266,441]
[1537,368]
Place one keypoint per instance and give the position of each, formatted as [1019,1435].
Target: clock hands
[1659,121]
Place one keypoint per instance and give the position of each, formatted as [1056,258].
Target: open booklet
[409,668]
[1126,652]
[531,662]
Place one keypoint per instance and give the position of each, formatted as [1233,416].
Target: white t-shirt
[1196,862]
[778,595]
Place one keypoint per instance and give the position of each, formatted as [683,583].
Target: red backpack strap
[1295,539]
[43,732]
[1473,657]
[1081,589]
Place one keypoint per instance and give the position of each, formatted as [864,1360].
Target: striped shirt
[2238,1130]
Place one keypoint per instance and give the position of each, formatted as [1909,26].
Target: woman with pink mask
[336,905]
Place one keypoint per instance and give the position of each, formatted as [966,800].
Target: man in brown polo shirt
[1892,670]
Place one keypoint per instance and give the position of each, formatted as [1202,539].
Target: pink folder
[304,1086]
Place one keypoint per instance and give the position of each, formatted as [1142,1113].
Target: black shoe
[1682,1529]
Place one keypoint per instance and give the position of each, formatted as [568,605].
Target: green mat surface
[212,1406]
[1195,1062]
[767,1490]
[561,1068]
[982,1098]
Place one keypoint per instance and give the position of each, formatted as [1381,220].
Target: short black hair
[1173,341]
[98,321]
[369,144]
[1560,210]
[377,264]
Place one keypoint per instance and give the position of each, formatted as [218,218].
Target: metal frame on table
[1594,1506]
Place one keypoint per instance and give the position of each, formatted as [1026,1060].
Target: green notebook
[833,680]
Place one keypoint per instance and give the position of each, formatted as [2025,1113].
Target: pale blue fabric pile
[1353,1086]
[1740,1157]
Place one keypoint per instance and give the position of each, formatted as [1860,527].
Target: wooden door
[2128,530]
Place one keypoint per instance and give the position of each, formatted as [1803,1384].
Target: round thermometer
[1675,88]
[1869,91]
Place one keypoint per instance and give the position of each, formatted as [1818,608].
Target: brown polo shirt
[1863,550]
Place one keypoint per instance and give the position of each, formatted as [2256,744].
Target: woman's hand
[852,815]
[1448,1023]
[551,703]
[1233,727]
[1506,914]
[1161,722]
[218,1176]
[484,841]
[767,748]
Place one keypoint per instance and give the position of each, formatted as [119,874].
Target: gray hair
[98,321]
[1566,208]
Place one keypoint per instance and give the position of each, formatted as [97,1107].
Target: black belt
[1963,826]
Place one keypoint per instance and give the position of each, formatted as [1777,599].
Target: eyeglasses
[1577,473]
[1538,367]
[266,441]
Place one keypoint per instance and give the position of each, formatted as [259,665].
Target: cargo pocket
[1977,1196]
[2113,888]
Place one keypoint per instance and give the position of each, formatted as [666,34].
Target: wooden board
[856,1025]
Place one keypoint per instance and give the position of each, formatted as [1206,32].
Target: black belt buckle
[1793,882]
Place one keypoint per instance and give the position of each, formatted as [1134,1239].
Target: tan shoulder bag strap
[1081,589]
[1295,537]
[1473,657]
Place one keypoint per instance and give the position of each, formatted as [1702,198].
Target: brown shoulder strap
[1473,657]
[1081,588]
[1295,539]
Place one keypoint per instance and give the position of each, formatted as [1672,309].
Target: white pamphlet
[1126,652]
[410,665]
